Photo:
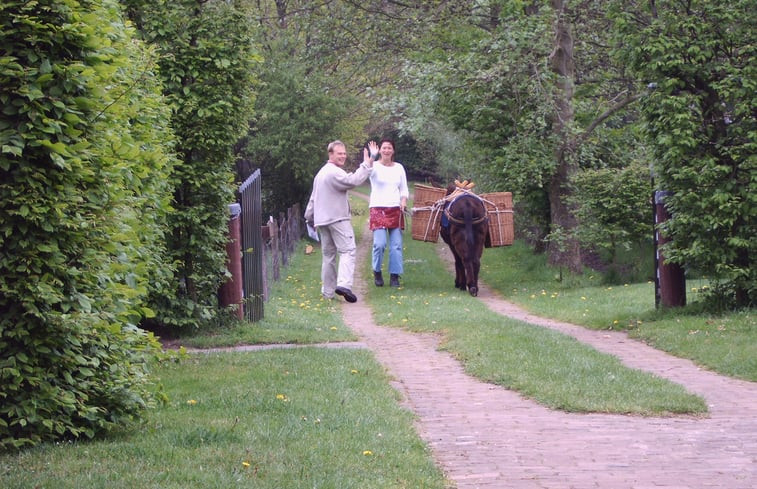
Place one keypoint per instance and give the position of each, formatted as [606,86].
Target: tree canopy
[699,57]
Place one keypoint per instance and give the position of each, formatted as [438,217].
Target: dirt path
[484,436]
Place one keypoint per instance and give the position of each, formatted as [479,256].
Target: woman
[387,204]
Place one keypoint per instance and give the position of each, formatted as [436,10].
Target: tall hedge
[84,148]
[207,62]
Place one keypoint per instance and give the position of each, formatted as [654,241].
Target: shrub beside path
[485,436]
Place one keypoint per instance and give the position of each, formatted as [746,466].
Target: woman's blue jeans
[395,249]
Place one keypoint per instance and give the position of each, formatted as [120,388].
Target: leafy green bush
[83,165]
[614,211]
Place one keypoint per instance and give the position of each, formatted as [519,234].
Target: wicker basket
[426,195]
[499,205]
[427,212]
[426,222]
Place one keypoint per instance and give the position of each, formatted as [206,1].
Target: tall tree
[563,218]
[530,92]
[702,122]
[325,63]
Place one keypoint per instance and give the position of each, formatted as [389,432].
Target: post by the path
[232,290]
[670,279]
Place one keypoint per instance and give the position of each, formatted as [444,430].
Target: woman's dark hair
[387,141]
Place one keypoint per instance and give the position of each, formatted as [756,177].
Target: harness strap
[455,220]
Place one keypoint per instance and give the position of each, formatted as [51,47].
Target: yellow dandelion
[353,371]
[333,328]
[245,464]
[615,322]
[191,402]
[583,298]
[367,453]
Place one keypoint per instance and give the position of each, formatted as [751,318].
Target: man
[329,211]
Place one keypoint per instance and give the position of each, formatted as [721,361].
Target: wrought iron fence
[252,246]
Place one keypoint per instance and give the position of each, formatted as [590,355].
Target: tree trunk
[564,251]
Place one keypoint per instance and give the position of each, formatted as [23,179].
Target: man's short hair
[333,144]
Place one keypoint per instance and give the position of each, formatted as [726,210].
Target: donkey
[465,228]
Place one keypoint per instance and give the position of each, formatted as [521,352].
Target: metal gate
[252,246]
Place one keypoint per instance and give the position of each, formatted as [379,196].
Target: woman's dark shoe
[394,280]
[378,279]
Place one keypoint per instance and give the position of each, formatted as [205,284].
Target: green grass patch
[547,366]
[724,343]
[295,312]
[294,418]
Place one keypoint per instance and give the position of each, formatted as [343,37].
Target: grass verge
[724,343]
[309,417]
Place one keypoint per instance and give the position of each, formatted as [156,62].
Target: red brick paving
[484,436]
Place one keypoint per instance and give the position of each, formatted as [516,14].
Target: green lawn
[308,417]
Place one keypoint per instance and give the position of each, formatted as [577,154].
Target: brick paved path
[484,436]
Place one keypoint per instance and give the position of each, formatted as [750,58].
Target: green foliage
[613,207]
[485,98]
[702,126]
[206,62]
[84,152]
[324,66]
[294,122]
[494,91]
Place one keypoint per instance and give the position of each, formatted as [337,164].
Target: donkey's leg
[459,272]
[472,273]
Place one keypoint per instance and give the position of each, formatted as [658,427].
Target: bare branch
[599,120]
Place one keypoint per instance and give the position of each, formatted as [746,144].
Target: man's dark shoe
[394,280]
[346,293]
[378,279]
